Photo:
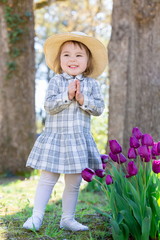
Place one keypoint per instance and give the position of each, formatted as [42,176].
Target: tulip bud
[147,140]
[143,151]
[104,165]
[158,147]
[134,142]
[154,149]
[100,173]
[104,158]
[156,166]
[88,174]
[131,169]
[132,153]
[114,157]
[122,158]
[136,132]
[115,146]
[147,158]
[109,179]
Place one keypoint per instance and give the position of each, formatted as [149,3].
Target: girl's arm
[56,99]
[93,104]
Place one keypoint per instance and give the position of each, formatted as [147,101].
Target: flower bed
[132,187]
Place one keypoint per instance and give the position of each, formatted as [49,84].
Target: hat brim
[97,49]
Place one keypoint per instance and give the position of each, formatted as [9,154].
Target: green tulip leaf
[145,228]
[136,210]
[120,232]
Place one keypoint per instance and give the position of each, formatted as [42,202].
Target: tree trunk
[17,104]
[134,53]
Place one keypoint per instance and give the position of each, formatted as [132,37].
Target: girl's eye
[79,55]
[66,55]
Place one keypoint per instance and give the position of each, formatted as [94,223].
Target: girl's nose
[72,59]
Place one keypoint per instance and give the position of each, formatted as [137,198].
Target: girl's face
[73,59]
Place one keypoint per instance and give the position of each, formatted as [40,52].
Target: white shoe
[73,225]
[33,223]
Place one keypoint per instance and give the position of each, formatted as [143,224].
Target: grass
[16,202]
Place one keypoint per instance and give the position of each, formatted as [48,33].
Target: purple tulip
[104,158]
[156,166]
[158,147]
[147,140]
[134,142]
[104,165]
[109,179]
[122,158]
[131,169]
[154,150]
[143,151]
[118,158]
[88,174]
[100,173]
[114,157]
[132,153]
[115,146]
[136,132]
[147,158]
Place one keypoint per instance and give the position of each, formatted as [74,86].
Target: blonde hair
[89,68]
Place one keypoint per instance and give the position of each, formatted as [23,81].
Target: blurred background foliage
[92,17]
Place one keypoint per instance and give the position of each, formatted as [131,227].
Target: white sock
[69,202]
[70,196]
[43,192]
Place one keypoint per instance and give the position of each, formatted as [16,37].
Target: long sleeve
[56,98]
[93,102]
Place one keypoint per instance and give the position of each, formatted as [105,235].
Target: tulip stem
[102,186]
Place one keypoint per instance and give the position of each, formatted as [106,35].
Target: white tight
[69,198]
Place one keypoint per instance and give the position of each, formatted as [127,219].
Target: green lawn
[16,201]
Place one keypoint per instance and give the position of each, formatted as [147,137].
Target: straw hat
[97,49]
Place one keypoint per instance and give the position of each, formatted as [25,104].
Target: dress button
[85,106]
[65,101]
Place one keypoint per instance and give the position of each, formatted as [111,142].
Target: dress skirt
[64,153]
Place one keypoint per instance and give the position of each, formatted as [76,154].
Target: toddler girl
[66,145]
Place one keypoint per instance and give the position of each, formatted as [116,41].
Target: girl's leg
[43,193]
[69,201]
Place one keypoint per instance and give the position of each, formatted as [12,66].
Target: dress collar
[69,77]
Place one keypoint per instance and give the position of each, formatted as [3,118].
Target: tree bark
[134,55]
[17,91]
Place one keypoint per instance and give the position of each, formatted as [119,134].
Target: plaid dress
[66,145]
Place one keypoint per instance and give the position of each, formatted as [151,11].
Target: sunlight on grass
[20,193]
[16,202]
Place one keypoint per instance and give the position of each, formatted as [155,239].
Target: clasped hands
[75,92]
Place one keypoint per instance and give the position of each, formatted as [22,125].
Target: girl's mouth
[73,66]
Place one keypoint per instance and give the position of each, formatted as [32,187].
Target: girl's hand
[72,90]
[79,96]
